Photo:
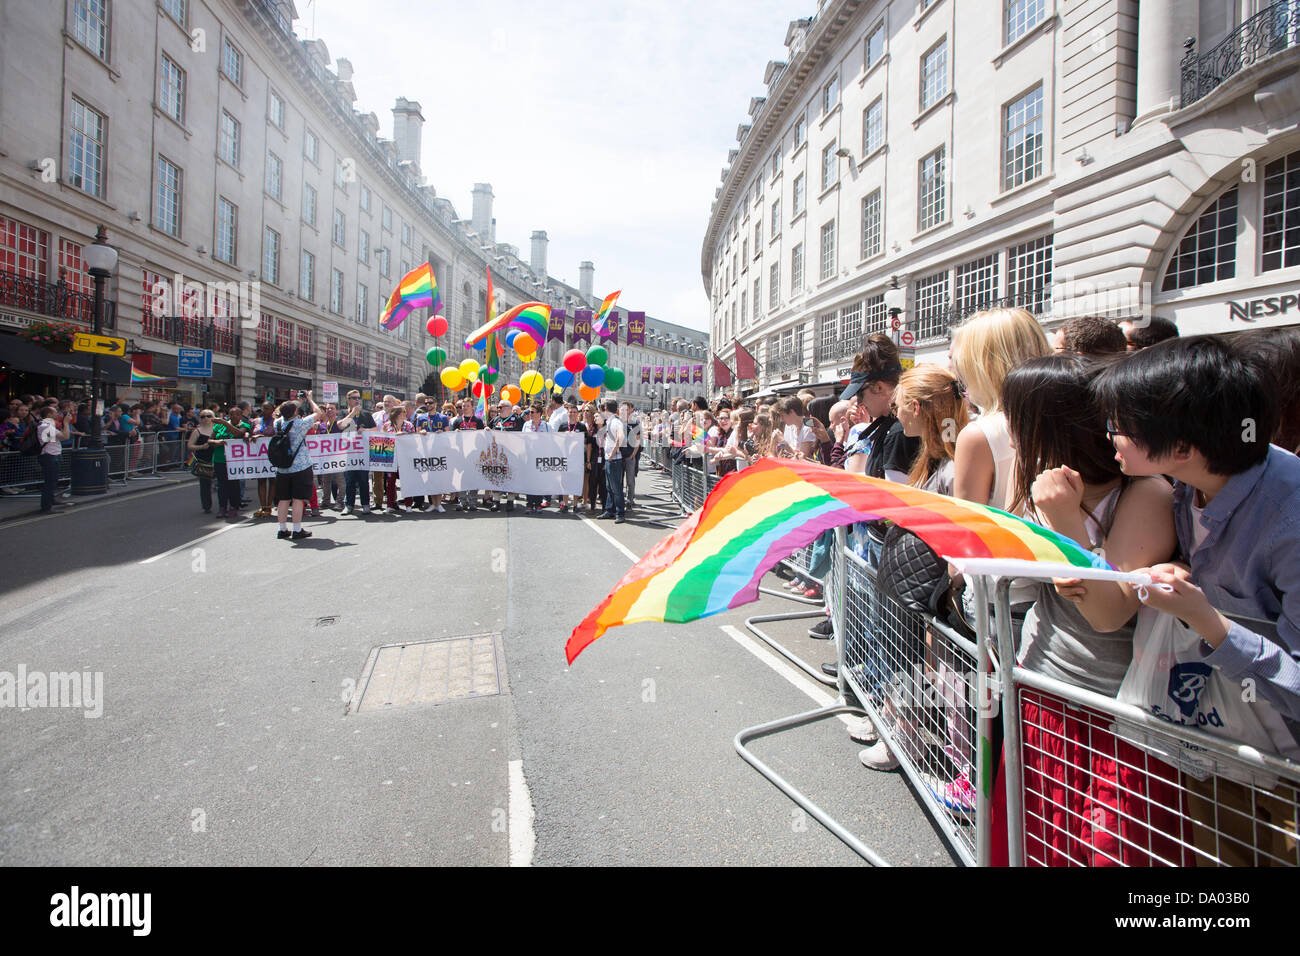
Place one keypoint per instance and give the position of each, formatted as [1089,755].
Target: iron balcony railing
[277,354]
[936,324]
[1272,30]
[194,332]
[784,361]
[55,299]
[831,350]
[348,370]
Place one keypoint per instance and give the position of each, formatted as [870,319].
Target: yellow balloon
[469,367]
[531,383]
[526,359]
[452,378]
[549,383]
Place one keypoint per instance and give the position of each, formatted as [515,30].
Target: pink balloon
[575,361]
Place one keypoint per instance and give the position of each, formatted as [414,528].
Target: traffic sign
[98,344]
[895,323]
[907,338]
[194,363]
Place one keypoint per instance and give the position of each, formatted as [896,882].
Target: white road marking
[190,544]
[79,509]
[522,838]
[611,539]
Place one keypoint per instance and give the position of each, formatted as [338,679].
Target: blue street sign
[194,363]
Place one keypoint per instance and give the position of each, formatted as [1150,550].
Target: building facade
[1091,157]
[257,213]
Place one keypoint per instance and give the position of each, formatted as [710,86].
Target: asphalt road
[230,733]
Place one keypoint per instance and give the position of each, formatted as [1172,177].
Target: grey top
[1058,641]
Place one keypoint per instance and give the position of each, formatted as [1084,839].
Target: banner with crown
[581,327]
[555,331]
[636,328]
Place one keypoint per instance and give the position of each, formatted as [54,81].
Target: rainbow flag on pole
[600,324]
[150,380]
[418,289]
[754,518]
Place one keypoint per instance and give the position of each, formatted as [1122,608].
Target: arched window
[1208,251]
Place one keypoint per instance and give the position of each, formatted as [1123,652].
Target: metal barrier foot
[781,649]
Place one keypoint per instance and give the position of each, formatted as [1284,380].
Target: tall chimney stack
[538,258]
[482,216]
[408,123]
[586,279]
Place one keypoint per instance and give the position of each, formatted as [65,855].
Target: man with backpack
[632,441]
[287,452]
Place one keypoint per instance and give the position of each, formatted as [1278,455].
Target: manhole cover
[428,672]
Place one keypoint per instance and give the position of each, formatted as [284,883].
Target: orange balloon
[588,393]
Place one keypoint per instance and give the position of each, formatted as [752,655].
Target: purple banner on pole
[659,374]
[610,333]
[581,327]
[672,374]
[645,374]
[684,375]
[699,374]
[555,332]
[636,328]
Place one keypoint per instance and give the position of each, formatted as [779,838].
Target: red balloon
[437,326]
[575,361]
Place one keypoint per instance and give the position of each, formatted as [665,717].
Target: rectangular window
[800,132]
[340,230]
[311,147]
[796,269]
[230,139]
[340,176]
[776,162]
[851,328]
[932,205]
[363,304]
[171,89]
[828,333]
[932,307]
[363,246]
[387,219]
[167,198]
[86,150]
[977,285]
[384,262]
[873,232]
[875,317]
[830,166]
[828,251]
[271,256]
[758,192]
[757,298]
[24,249]
[274,176]
[227,229]
[309,204]
[934,74]
[1029,275]
[744,255]
[365,198]
[277,109]
[1022,16]
[873,127]
[90,26]
[831,94]
[307,277]
[744,308]
[72,267]
[232,63]
[758,238]
[774,287]
[1022,139]
[336,292]
[406,234]
[875,47]
[796,200]
[1280,236]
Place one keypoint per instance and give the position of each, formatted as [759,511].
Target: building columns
[1162,27]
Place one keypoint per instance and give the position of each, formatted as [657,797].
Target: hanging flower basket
[53,336]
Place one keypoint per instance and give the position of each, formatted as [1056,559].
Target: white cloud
[604,124]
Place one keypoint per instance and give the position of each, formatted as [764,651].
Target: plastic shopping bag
[1169,679]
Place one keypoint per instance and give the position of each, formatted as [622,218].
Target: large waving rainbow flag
[141,377]
[531,318]
[600,323]
[756,517]
[417,290]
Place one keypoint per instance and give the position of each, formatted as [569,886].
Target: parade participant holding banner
[536,423]
[396,424]
[356,482]
[264,427]
[293,484]
[508,420]
[466,420]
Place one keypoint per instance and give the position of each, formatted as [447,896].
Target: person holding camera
[293,485]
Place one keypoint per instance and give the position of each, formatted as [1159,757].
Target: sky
[605,124]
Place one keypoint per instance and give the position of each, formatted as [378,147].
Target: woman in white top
[51,438]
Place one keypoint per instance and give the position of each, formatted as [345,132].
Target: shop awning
[27,357]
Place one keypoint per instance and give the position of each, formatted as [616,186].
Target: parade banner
[530,463]
[610,332]
[581,327]
[645,374]
[636,328]
[381,452]
[698,375]
[555,329]
[659,374]
[672,374]
[330,455]
[684,374]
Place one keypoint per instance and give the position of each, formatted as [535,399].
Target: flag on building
[746,365]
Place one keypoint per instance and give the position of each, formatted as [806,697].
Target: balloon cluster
[590,370]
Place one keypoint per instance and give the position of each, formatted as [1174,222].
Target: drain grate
[326,621]
[429,672]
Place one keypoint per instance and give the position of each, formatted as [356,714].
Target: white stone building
[1072,157]
[217,146]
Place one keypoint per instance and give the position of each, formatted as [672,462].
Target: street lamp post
[90,465]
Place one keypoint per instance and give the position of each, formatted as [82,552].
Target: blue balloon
[563,378]
[593,376]
[481,344]
[511,335]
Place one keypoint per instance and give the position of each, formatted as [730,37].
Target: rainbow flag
[600,324]
[531,318]
[417,290]
[756,517]
[139,377]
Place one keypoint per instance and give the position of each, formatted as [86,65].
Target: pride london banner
[529,463]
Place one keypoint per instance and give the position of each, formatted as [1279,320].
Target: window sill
[774,239]
[874,256]
[933,108]
[866,74]
[797,217]
[81,192]
[309,225]
[879,150]
[159,111]
[229,165]
[1047,26]
[821,124]
[279,129]
[925,14]
[928,230]
[829,189]
[238,89]
[275,199]
[772,181]
[798,149]
[72,41]
[1015,191]
[172,237]
[174,22]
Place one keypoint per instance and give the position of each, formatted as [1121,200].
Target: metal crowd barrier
[1074,783]
[149,459]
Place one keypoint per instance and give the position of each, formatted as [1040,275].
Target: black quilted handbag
[911,573]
